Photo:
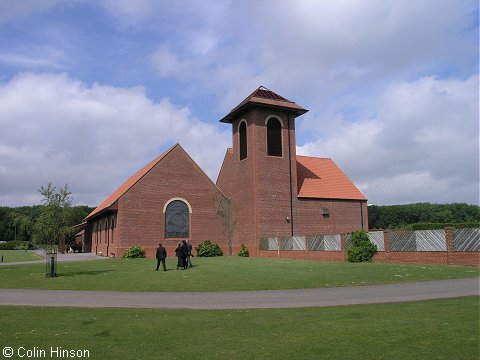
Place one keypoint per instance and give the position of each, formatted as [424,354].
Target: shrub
[134,252]
[362,249]
[243,251]
[16,245]
[207,249]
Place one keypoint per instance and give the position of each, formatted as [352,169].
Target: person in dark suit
[161,256]
[184,253]
[179,255]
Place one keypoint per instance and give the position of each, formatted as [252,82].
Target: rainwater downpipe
[361,214]
[290,166]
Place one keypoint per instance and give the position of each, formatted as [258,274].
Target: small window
[176,220]
[243,140]
[274,137]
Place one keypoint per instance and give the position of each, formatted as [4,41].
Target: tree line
[405,216]
[45,223]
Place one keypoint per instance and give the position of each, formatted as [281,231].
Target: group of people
[183,252]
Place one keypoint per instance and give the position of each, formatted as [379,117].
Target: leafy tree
[226,218]
[23,225]
[54,220]
[399,216]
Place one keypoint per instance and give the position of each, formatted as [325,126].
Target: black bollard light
[51,262]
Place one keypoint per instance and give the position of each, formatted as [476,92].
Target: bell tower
[259,172]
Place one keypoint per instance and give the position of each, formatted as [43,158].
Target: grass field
[18,255]
[438,329]
[220,274]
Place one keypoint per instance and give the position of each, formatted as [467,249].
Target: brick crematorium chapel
[264,189]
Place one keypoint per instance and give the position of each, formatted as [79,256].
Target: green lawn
[220,274]
[18,255]
[438,329]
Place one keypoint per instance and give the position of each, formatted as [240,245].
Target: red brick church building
[263,189]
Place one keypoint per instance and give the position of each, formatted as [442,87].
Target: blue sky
[90,91]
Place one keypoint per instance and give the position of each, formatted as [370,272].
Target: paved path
[245,299]
[60,258]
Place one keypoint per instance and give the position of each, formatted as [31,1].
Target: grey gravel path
[245,299]
[60,258]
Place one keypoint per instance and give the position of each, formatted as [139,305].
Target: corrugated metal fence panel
[273,243]
[263,243]
[348,241]
[270,243]
[286,243]
[332,242]
[466,239]
[292,243]
[377,238]
[315,243]
[430,240]
[298,243]
[403,240]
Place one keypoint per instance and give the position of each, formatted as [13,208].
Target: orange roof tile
[265,97]
[321,178]
[109,201]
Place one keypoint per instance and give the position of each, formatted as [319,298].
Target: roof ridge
[262,96]
[314,157]
[322,178]
[201,170]
[110,200]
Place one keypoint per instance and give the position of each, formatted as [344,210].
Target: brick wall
[236,179]
[449,257]
[263,188]
[140,216]
[344,216]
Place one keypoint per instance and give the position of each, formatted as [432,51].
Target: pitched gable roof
[109,201]
[263,97]
[321,178]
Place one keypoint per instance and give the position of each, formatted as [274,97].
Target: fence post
[343,246]
[387,244]
[450,243]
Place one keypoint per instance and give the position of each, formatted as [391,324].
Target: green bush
[134,252]
[243,251]
[207,249]
[362,249]
[17,245]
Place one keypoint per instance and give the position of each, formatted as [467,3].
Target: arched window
[242,131]
[274,137]
[176,220]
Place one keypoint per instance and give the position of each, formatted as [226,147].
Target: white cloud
[423,142]
[34,58]
[57,129]
[10,9]
[318,50]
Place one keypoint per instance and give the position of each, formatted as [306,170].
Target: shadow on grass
[105,333]
[85,272]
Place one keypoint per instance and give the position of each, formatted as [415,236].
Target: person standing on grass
[161,256]
[184,254]
[189,254]
[179,255]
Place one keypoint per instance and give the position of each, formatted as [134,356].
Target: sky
[92,90]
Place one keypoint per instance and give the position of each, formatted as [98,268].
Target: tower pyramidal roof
[265,98]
